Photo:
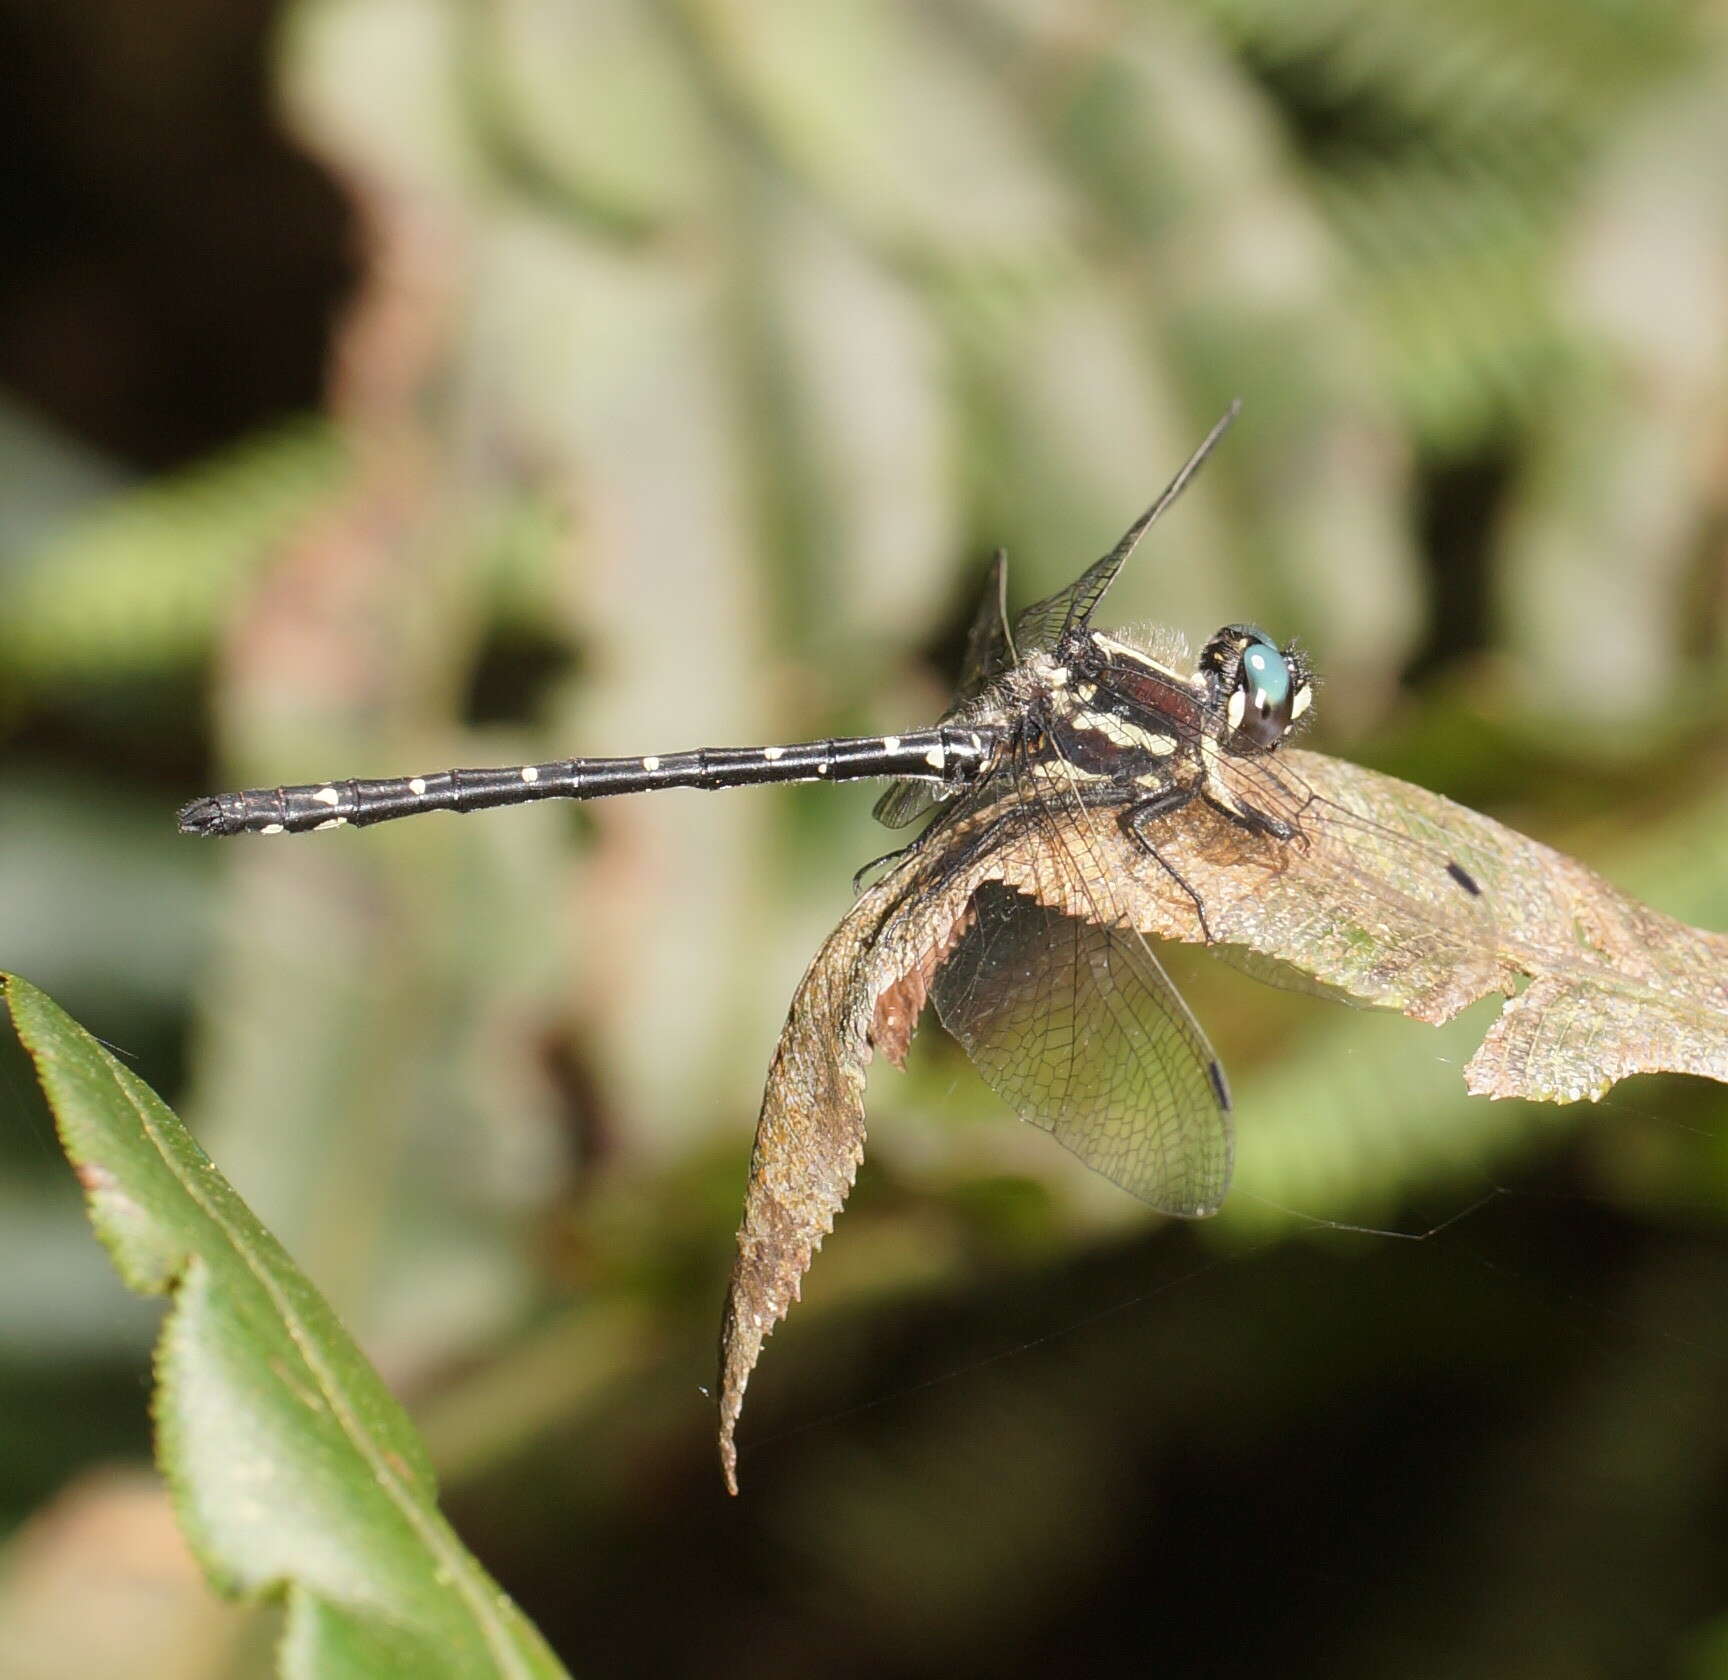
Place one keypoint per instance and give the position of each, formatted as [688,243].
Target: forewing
[1042,624]
[989,646]
[1039,627]
[993,646]
[1371,862]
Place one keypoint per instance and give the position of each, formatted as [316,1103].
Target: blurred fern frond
[143,582]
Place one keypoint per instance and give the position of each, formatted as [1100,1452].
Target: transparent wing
[1286,977]
[905,801]
[1377,895]
[989,644]
[1077,1029]
[1372,847]
[1041,625]
[989,652]
[1066,1012]
[993,646]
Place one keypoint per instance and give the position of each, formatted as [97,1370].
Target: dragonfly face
[1261,690]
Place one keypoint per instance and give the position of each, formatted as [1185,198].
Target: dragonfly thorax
[1105,711]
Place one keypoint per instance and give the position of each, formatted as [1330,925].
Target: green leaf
[294,1470]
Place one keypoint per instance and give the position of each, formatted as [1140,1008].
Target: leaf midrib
[428,1527]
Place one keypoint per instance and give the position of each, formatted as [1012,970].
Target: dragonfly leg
[877,862]
[1256,822]
[944,815]
[1134,821]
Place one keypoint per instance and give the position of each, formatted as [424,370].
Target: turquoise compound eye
[1260,710]
[1269,688]
[1266,674]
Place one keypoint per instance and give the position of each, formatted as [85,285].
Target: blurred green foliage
[701,352]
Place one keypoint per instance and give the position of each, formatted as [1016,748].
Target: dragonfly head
[1259,689]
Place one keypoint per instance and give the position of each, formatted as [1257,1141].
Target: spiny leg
[1248,817]
[877,862]
[1160,805]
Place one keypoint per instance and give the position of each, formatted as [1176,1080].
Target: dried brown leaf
[1366,905]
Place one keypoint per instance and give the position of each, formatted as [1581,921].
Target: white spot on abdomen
[650,764]
[530,773]
[417,785]
[772,753]
[328,796]
[936,757]
[891,743]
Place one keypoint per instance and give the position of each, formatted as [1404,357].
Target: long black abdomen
[952,756]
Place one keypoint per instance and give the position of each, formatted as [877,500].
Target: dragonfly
[1081,755]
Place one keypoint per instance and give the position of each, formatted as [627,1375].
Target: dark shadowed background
[387,384]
